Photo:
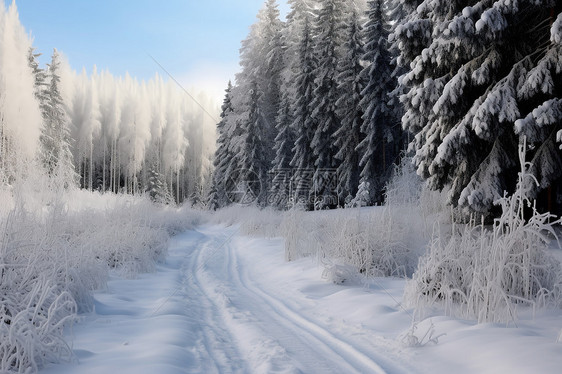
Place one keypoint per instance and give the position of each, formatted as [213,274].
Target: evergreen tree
[217,198]
[381,127]
[41,84]
[261,58]
[253,165]
[55,138]
[467,89]
[542,126]
[281,182]
[156,186]
[348,136]
[328,29]
[303,123]
[280,189]
[270,65]
[255,102]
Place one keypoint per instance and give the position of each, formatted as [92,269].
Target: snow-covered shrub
[362,198]
[376,241]
[486,272]
[34,308]
[56,249]
[370,240]
[253,221]
[405,187]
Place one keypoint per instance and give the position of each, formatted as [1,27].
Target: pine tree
[303,124]
[56,139]
[41,83]
[328,29]
[281,183]
[280,188]
[270,65]
[261,58]
[349,110]
[253,166]
[542,126]
[467,89]
[217,198]
[381,127]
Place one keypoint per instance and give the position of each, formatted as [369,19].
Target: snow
[224,302]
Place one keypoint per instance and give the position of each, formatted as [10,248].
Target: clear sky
[197,41]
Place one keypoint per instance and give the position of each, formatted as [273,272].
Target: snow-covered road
[268,335]
[211,309]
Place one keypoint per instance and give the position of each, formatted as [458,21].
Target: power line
[180,86]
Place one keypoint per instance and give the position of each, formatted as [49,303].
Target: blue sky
[197,41]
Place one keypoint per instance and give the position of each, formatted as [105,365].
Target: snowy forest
[98,132]
[328,101]
[384,176]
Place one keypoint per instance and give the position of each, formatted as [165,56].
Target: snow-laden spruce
[473,72]
[381,140]
[351,83]
[329,28]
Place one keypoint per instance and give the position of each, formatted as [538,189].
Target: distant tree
[20,115]
[55,138]
[40,76]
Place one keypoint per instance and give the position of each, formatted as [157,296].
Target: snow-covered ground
[226,303]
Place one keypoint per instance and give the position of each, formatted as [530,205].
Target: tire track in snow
[272,336]
[217,354]
[349,354]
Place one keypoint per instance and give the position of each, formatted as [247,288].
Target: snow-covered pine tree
[542,126]
[280,189]
[303,123]
[55,138]
[40,76]
[221,161]
[281,183]
[255,100]
[253,169]
[351,85]
[381,144]
[269,54]
[156,186]
[396,16]
[329,27]
[467,88]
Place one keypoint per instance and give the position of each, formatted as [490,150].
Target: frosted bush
[487,272]
[34,309]
[405,187]
[53,255]
[376,241]
[372,241]
[253,221]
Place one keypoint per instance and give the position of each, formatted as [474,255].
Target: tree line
[327,99]
[98,131]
